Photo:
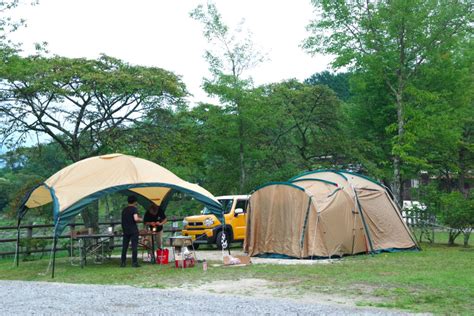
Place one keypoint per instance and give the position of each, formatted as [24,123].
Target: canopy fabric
[77,185]
[324,213]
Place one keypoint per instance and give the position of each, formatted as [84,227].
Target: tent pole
[363,221]
[305,225]
[228,242]
[54,255]
[397,211]
[55,242]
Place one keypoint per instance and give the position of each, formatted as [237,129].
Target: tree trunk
[397,178]
[90,215]
[462,172]
[467,234]
[241,156]
[397,183]
[453,234]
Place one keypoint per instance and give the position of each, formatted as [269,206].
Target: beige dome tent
[324,213]
[74,187]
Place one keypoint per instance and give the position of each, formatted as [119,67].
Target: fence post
[72,232]
[112,232]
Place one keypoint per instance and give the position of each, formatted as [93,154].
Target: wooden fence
[30,240]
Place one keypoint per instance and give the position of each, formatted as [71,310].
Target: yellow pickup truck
[207,229]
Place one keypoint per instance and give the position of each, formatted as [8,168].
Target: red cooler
[162,256]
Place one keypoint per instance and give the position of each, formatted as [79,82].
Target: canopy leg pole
[55,243]
[54,255]
[228,241]
[17,251]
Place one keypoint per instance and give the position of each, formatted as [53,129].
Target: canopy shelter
[324,213]
[76,186]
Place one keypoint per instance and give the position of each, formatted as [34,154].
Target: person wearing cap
[130,231]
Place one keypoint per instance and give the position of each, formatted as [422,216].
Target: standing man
[130,230]
[155,218]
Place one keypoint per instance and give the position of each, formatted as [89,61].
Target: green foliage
[338,82]
[309,122]
[453,210]
[33,244]
[24,169]
[406,105]
[394,49]
[457,211]
[232,55]
[78,102]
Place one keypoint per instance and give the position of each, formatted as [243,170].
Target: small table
[100,247]
[152,234]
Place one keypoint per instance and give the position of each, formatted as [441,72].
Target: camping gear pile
[183,257]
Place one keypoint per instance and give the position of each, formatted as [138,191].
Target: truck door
[240,220]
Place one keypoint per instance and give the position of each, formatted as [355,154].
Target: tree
[457,213]
[339,83]
[390,40]
[228,61]
[309,123]
[78,102]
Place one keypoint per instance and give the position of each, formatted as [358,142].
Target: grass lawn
[439,279]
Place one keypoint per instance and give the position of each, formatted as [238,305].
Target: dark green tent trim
[339,172]
[278,183]
[305,224]
[314,179]
[367,233]
[145,202]
[334,192]
[75,209]
[318,171]
[271,255]
[365,177]
[64,217]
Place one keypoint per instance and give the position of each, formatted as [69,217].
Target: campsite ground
[439,279]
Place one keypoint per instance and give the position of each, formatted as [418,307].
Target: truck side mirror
[238,211]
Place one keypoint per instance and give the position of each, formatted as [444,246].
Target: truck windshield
[226,204]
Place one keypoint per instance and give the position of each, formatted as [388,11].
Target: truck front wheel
[222,240]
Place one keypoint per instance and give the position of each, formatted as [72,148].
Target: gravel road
[43,298]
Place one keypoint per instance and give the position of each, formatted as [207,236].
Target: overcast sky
[161,33]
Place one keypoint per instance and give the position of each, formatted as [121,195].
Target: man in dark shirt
[130,230]
[154,219]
